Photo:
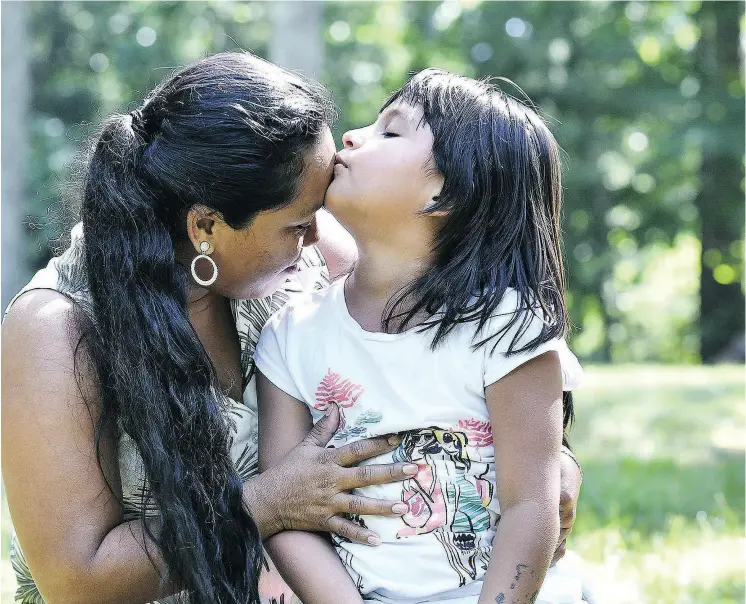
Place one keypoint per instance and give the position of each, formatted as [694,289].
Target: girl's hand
[308,490]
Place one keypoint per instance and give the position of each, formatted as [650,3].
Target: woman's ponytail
[229,132]
[157,383]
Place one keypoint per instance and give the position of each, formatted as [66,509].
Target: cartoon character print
[479,434]
[335,390]
[422,492]
[445,498]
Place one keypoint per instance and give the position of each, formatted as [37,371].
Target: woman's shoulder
[41,334]
[64,273]
[40,347]
[38,311]
[312,275]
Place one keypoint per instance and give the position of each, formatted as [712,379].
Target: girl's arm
[307,561]
[526,412]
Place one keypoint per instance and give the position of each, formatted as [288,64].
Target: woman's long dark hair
[502,195]
[229,132]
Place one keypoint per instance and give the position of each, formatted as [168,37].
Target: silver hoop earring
[203,247]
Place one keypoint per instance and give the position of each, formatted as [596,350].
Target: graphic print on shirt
[446,497]
[335,390]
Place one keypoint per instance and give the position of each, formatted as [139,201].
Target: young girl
[448,332]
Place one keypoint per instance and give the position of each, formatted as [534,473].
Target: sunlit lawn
[661,517]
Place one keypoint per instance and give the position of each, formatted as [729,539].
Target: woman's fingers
[364,476]
[560,551]
[354,532]
[360,450]
[565,530]
[324,429]
[567,514]
[367,506]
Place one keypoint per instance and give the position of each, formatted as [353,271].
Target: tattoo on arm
[500,599]
[520,570]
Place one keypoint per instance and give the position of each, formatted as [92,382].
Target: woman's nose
[312,234]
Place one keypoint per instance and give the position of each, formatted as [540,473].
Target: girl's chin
[333,203]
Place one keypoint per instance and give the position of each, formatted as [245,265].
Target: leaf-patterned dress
[66,275]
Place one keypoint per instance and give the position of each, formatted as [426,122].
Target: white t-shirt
[383,383]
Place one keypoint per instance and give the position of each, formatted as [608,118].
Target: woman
[129,442]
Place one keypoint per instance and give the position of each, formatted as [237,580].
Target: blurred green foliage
[646,99]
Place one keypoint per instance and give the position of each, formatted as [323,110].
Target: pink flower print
[478,432]
[335,390]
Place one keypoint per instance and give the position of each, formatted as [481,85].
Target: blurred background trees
[646,100]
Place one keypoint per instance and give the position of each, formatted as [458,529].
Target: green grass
[661,514]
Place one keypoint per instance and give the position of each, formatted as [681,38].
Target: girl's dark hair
[502,194]
[229,132]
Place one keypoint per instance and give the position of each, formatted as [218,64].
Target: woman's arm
[68,522]
[526,413]
[307,561]
[70,526]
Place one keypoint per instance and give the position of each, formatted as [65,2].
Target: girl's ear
[435,184]
[437,213]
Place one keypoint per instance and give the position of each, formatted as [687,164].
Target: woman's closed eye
[389,134]
[301,228]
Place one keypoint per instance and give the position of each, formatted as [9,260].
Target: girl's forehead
[403,110]
[413,116]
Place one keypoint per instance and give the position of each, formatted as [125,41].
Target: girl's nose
[352,139]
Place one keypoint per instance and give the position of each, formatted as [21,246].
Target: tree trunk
[15,99]
[720,200]
[297,41]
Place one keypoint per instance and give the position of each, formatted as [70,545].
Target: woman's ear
[200,225]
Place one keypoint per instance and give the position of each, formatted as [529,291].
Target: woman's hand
[570,480]
[308,489]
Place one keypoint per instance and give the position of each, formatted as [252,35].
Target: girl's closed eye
[389,134]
